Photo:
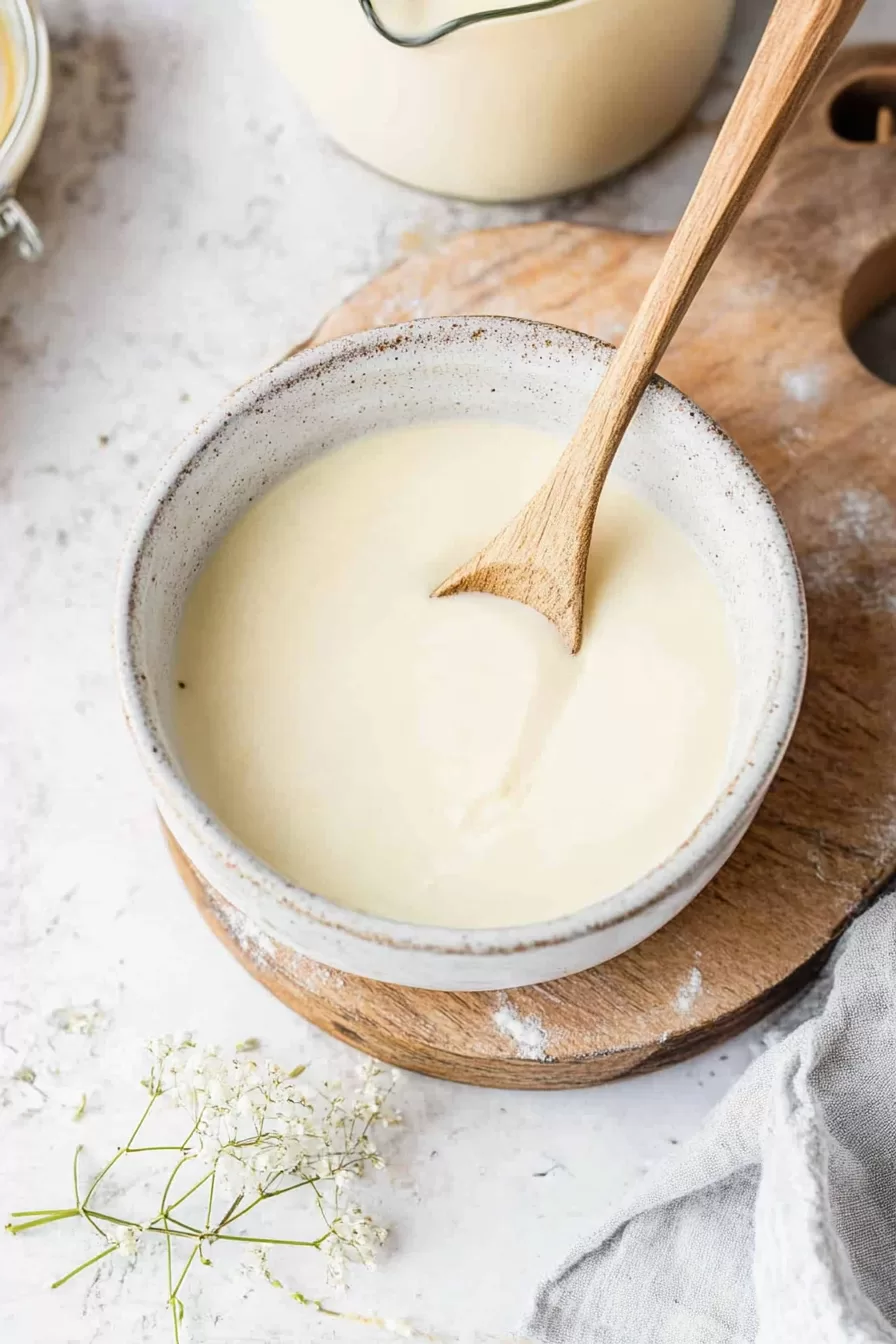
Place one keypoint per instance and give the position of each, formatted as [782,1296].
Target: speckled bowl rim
[737,798]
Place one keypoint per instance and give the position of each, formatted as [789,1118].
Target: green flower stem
[160,1148]
[129,1222]
[171,1297]
[231,1212]
[89,1218]
[193,1188]
[163,1202]
[43,1212]
[49,1216]
[211,1197]
[268,1194]
[86,1265]
[190,1259]
[75,1174]
[121,1152]
[269,1241]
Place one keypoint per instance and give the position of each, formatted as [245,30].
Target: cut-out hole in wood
[869,313]
[865,111]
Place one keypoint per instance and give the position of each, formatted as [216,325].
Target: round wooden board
[764,352]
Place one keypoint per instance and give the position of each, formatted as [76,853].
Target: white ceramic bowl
[450,368]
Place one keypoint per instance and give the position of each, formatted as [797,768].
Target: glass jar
[24,98]
[508,108]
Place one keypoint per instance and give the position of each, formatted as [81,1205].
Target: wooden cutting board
[764,351]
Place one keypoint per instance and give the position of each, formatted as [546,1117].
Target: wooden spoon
[540,558]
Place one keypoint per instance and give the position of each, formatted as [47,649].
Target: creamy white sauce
[448,761]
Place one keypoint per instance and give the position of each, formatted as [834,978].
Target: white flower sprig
[256,1133]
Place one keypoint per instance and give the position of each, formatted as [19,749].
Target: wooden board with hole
[764,351]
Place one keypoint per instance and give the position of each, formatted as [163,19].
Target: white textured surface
[196,227]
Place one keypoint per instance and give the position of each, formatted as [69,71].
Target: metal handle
[15,220]
[452,26]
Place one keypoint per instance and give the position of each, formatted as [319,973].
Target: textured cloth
[776,1223]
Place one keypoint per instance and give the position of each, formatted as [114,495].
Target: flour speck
[527,1033]
[862,529]
[806,385]
[246,934]
[689,992]
[863,516]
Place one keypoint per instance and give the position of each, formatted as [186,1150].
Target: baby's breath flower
[254,1133]
[335,1252]
[126,1239]
[231,1173]
[257,1261]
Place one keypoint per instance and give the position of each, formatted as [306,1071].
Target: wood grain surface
[763,350]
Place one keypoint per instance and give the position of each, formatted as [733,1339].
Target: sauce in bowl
[448,761]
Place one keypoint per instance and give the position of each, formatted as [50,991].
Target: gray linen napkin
[776,1223]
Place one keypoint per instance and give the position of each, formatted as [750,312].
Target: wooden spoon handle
[801,37]
[541,557]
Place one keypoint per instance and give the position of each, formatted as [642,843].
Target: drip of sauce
[448,762]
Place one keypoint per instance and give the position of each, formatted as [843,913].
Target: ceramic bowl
[507,370]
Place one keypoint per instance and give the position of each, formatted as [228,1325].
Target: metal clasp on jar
[17,223]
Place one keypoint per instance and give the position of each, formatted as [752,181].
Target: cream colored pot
[510,109]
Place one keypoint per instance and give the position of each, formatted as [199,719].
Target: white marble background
[196,227]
